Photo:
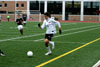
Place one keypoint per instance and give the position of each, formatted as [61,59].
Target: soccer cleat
[2,54]
[48,53]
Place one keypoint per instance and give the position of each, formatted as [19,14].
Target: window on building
[22,5]
[2,12]
[55,7]
[10,12]
[17,5]
[90,8]
[42,7]
[87,5]
[18,12]
[73,7]
[96,5]
[0,4]
[36,7]
[5,5]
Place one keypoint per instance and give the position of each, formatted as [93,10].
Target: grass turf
[73,36]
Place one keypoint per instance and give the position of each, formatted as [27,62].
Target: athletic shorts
[20,27]
[48,36]
[24,19]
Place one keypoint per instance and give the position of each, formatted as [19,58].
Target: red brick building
[63,9]
[8,8]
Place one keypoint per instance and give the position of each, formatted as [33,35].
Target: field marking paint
[54,41]
[71,30]
[16,27]
[68,23]
[97,64]
[61,24]
[69,42]
[70,33]
[20,37]
[58,57]
[67,29]
[79,28]
[44,33]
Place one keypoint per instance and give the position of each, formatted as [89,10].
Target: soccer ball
[29,53]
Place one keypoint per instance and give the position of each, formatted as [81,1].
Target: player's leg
[8,19]
[0,21]
[1,53]
[20,28]
[46,41]
[24,23]
[51,42]
[21,31]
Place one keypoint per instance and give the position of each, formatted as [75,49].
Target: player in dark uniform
[24,16]
[19,22]
[1,53]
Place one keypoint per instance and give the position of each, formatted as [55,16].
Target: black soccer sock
[24,24]
[1,52]
[21,31]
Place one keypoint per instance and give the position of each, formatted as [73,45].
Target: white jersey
[50,25]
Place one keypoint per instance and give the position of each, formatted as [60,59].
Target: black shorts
[48,36]
[24,19]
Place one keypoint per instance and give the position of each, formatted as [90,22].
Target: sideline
[67,53]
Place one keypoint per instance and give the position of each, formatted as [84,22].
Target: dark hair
[47,14]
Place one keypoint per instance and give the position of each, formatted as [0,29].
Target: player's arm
[22,20]
[60,31]
[59,25]
[17,21]
[39,25]
[42,26]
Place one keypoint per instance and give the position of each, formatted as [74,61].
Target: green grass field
[74,35]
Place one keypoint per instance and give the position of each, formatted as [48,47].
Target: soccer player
[24,18]
[1,53]
[19,22]
[50,24]
[8,18]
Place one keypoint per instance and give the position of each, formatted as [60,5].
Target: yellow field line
[67,53]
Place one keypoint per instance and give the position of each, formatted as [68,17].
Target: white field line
[54,41]
[61,24]
[80,28]
[64,30]
[13,27]
[20,37]
[7,32]
[9,35]
[17,32]
[69,24]
[97,64]
[69,42]
[70,33]
[16,27]
[43,34]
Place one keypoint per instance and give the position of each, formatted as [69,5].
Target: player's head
[47,15]
[24,13]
